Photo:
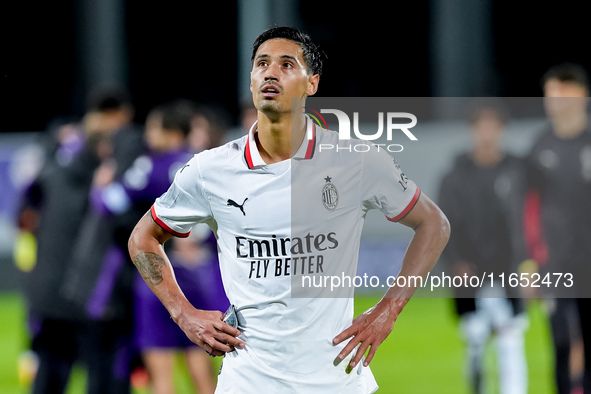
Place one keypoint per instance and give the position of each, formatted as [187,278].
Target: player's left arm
[371,328]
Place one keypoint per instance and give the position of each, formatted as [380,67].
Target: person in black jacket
[58,198]
[559,230]
[482,197]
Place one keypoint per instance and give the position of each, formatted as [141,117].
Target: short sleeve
[185,203]
[386,187]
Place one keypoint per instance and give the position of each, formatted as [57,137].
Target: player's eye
[287,65]
[262,63]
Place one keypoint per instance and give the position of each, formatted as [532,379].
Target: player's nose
[272,73]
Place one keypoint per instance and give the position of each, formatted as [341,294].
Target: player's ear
[313,81]
[251,81]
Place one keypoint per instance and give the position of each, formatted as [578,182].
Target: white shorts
[243,372]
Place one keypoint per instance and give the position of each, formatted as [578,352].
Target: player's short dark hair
[312,55]
[176,115]
[567,72]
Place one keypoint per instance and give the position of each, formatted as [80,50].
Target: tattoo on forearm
[150,265]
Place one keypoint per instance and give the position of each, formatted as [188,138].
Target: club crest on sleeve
[330,195]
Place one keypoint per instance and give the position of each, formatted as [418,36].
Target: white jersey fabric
[276,223]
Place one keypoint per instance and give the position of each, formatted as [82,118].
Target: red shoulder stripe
[165,227]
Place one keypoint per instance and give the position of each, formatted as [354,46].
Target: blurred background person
[127,141]
[246,118]
[96,280]
[558,218]
[482,197]
[208,128]
[168,131]
[53,209]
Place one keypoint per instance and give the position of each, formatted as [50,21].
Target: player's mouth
[271,90]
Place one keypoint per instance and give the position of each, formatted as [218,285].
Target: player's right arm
[205,328]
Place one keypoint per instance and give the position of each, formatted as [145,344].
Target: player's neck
[569,126]
[277,138]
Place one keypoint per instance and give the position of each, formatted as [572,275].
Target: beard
[270,106]
[274,108]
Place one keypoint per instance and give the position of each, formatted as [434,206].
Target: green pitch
[424,354]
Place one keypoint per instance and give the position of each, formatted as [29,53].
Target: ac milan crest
[330,195]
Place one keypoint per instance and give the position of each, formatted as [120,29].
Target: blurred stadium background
[54,53]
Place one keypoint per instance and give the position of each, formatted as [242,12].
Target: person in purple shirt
[194,259]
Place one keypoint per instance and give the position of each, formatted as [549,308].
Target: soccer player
[244,191]
[483,197]
[559,177]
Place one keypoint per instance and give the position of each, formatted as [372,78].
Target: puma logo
[235,204]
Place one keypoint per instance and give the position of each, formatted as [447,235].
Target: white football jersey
[276,224]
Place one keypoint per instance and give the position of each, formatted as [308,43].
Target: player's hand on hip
[368,331]
[206,329]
